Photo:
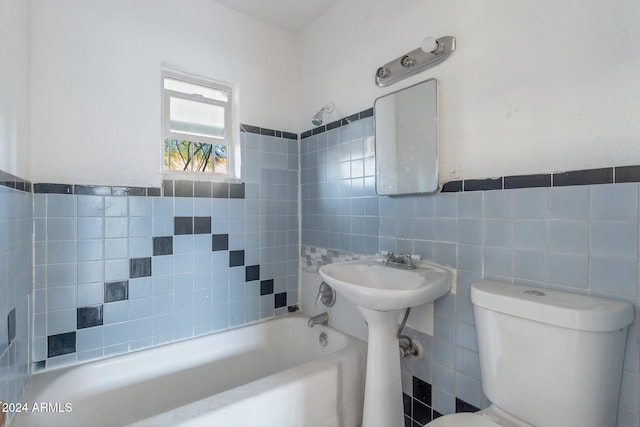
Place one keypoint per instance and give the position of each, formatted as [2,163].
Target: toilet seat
[489,417]
[462,419]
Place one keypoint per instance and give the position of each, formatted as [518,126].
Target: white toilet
[548,358]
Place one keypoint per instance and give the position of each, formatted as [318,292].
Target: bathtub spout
[319,319]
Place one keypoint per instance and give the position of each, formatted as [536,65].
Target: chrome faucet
[319,319]
[400,261]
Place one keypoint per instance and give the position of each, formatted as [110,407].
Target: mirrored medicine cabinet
[406,137]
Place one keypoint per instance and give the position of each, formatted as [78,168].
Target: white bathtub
[273,373]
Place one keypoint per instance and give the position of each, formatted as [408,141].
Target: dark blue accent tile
[93,190]
[421,391]
[53,188]
[202,189]
[11,326]
[266,287]
[406,404]
[182,225]
[462,406]
[163,245]
[202,225]
[289,135]
[154,192]
[116,291]
[236,191]
[452,187]
[236,258]
[482,184]
[527,181]
[280,300]
[252,272]
[61,344]
[134,191]
[220,190]
[38,366]
[334,125]
[306,134]
[128,191]
[139,267]
[583,177]
[7,180]
[267,132]
[366,113]
[318,130]
[352,118]
[219,242]
[183,188]
[249,128]
[167,188]
[627,174]
[436,414]
[421,413]
[278,134]
[88,317]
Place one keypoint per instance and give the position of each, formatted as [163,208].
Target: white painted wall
[534,86]
[14,87]
[95,80]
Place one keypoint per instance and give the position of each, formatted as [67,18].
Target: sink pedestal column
[383,405]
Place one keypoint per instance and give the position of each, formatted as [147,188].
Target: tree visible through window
[196,125]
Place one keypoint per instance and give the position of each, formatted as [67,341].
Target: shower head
[317,117]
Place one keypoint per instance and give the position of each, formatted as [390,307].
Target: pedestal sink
[381,293]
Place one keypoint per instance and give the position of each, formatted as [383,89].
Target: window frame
[230,140]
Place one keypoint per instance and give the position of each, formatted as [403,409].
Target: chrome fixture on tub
[400,261]
[326,295]
[318,319]
[317,117]
[429,54]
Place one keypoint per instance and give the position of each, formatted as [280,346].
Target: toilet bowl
[537,347]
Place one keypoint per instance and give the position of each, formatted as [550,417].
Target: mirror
[406,129]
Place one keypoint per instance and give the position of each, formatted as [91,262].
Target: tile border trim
[610,175]
[209,189]
[268,132]
[338,123]
[95,190]
[12,181]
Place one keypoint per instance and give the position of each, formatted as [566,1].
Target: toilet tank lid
[580,312]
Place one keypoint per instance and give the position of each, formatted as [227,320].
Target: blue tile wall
[582,239]
[16,279]
[339,203]
[116,273]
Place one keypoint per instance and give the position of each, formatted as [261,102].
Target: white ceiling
[291,15]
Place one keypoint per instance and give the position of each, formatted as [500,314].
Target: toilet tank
[550,358]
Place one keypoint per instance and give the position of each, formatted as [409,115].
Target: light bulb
[429,44]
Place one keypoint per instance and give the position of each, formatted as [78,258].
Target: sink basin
[381,292]
[373,285]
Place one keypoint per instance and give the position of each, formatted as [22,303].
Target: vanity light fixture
[429,54]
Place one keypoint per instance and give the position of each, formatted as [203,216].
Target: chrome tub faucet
[319,319]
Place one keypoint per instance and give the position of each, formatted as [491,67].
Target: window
[197,126]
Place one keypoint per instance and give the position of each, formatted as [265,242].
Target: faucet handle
[326,295]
